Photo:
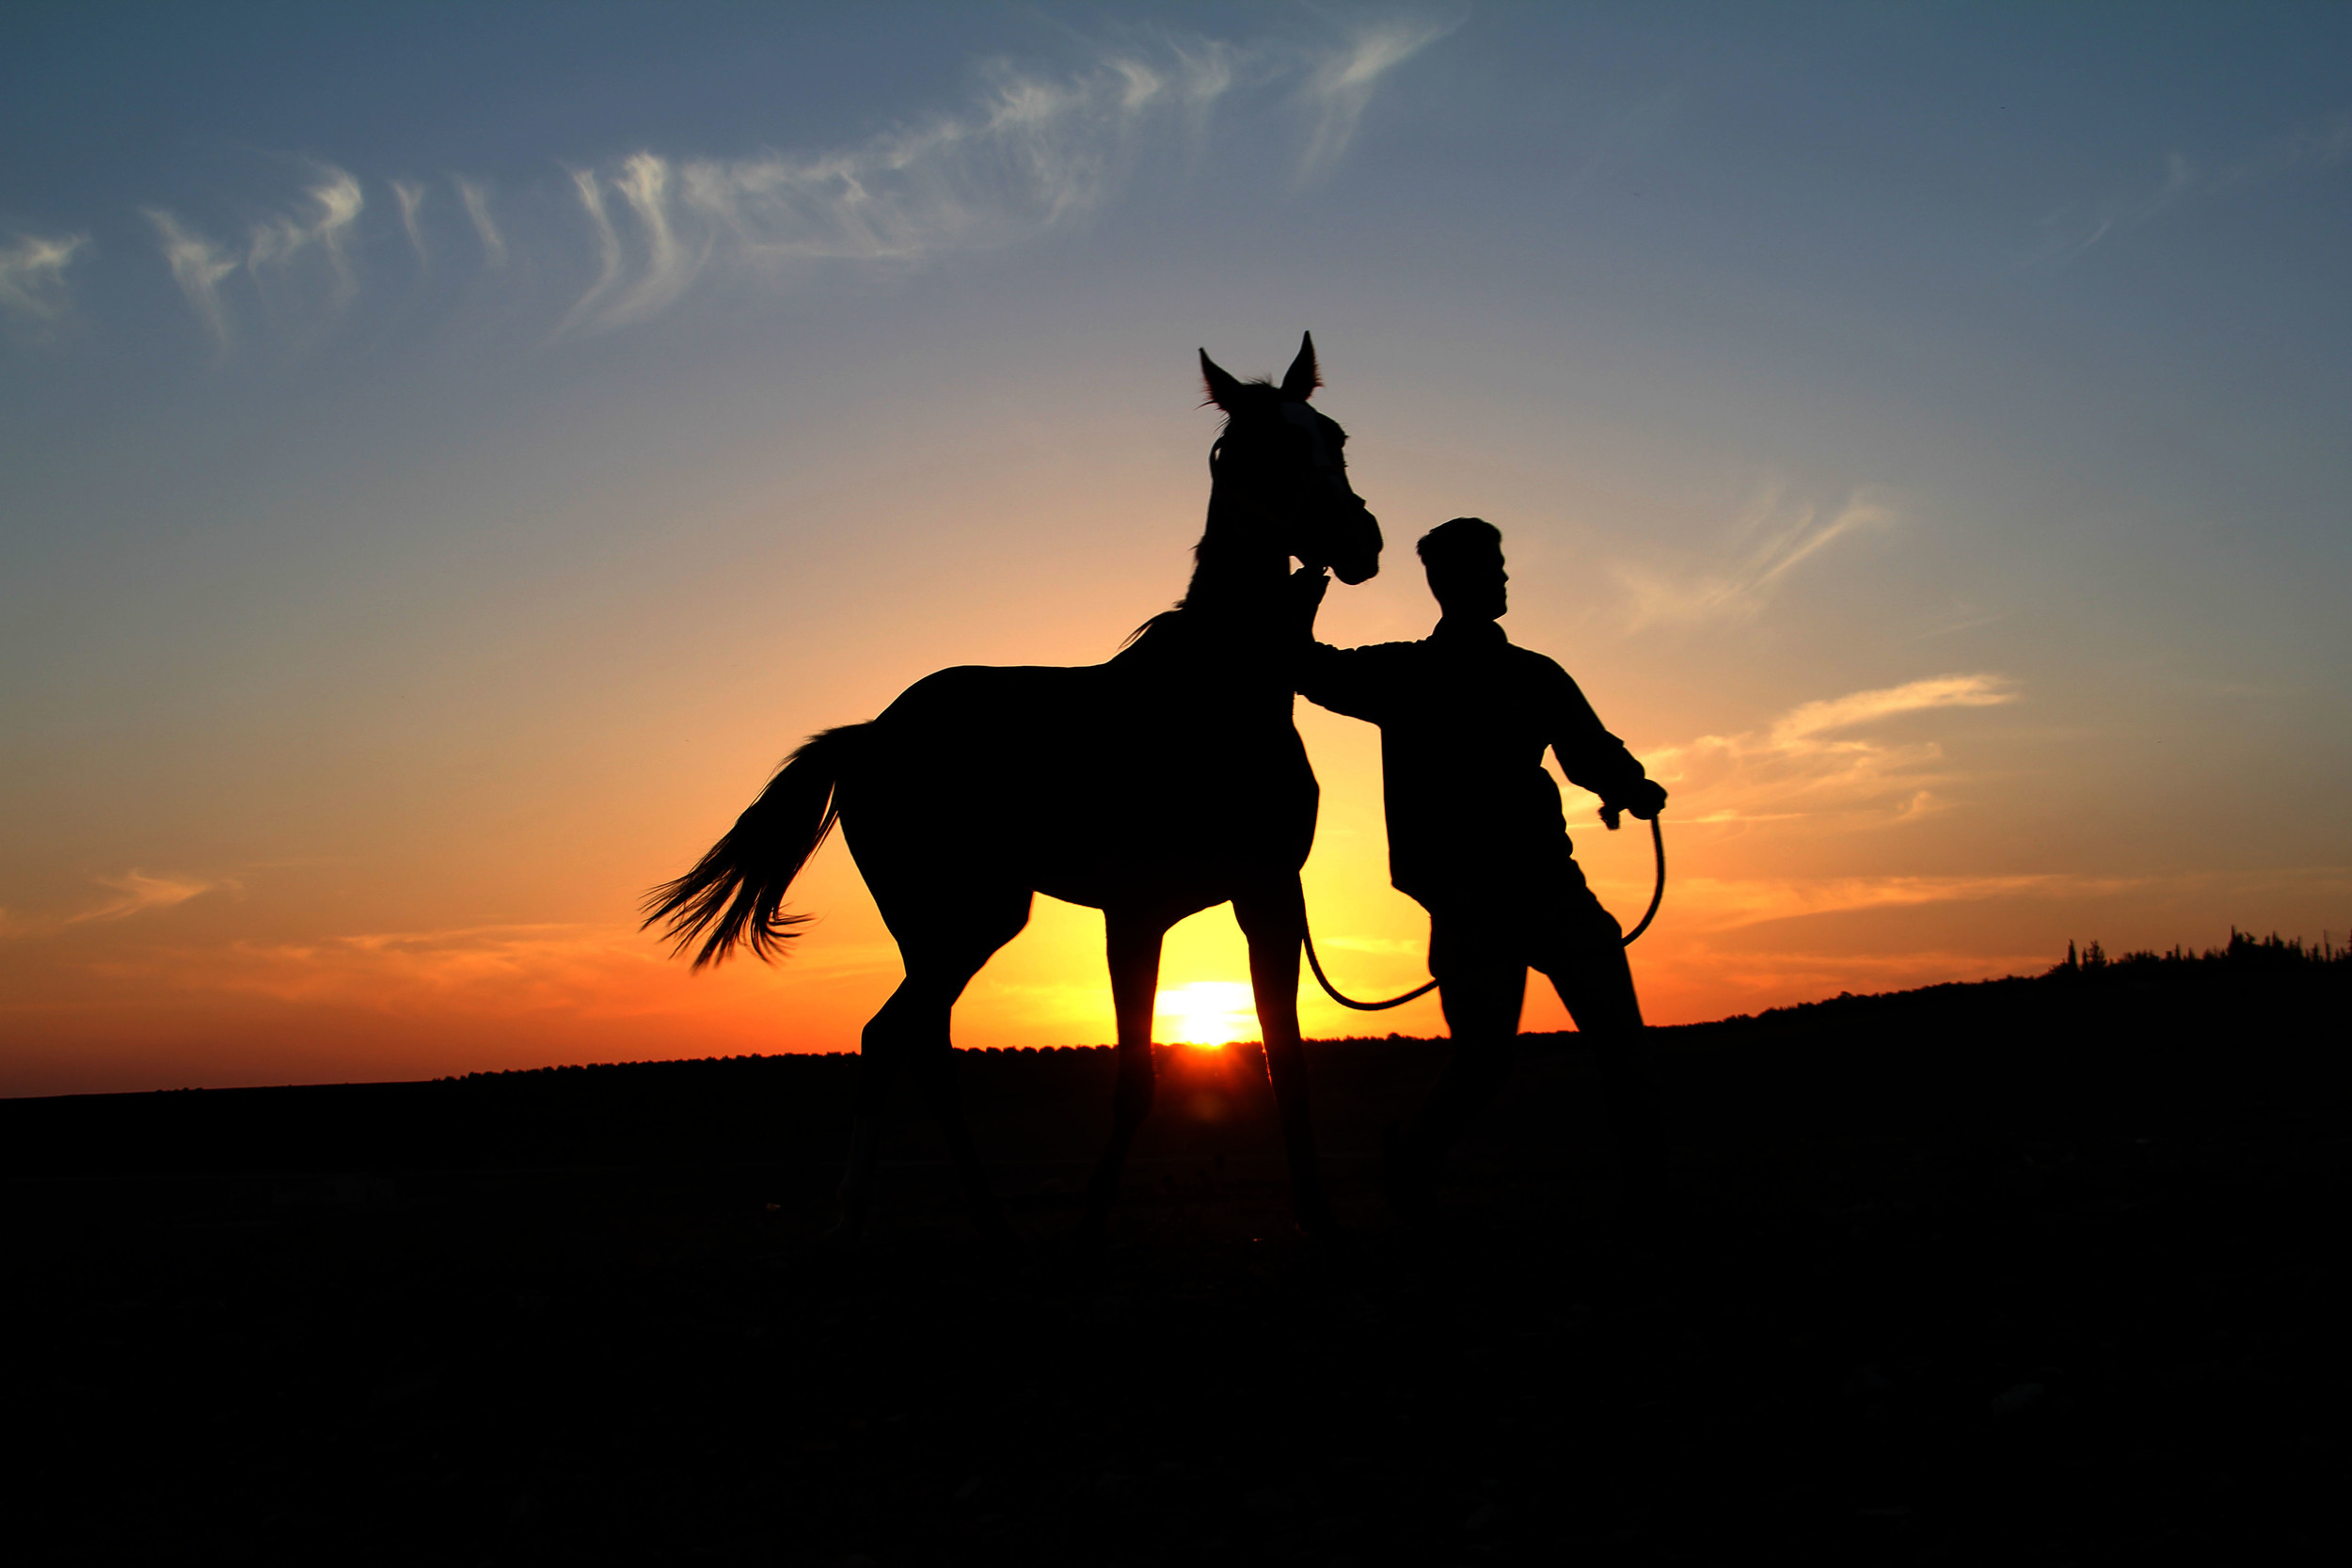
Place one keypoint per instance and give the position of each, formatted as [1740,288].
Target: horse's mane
[1141,632]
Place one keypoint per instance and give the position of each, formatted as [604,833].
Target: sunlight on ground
[1206,1013]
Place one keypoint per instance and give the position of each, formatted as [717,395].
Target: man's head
[1463,559]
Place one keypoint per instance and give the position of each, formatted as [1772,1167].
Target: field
[2037,1270]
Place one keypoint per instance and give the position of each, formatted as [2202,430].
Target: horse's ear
[1223,390]
[1300,381]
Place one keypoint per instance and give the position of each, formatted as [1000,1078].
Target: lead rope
[1658,896]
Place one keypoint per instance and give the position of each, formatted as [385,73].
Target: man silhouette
[1477,836]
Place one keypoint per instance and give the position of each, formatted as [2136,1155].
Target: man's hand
[1307,587]
[1644,799]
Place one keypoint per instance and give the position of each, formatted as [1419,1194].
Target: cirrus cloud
[2074,229]
[1032,152]
[1809,761]
[135,892]
[1775,535]
[32,272]
[271,248]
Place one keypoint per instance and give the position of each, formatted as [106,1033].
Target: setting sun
[1206,1013]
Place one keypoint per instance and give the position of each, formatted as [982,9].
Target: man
[1477,836]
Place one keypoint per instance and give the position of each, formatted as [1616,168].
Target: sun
[1207,1013]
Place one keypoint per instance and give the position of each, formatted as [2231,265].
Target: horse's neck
[1237,577]
[1231,613]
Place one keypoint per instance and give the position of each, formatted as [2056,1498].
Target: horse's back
[976,695]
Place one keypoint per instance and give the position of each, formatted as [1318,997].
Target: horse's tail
[734,892]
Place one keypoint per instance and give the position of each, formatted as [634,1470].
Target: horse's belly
[1083,788]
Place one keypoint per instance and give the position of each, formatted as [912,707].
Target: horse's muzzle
[1358,557]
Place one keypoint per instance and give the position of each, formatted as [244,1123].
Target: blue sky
[448,452]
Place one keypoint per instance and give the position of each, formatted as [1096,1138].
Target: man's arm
[1345,680]
[1596,760]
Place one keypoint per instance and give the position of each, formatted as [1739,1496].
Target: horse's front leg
[1134,944]
[1275,921]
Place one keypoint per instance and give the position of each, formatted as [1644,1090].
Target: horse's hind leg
[913,1029]
[1134,944]
[1275,923]
[935,1060]
[876,1064]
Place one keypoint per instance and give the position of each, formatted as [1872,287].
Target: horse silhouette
[982,786]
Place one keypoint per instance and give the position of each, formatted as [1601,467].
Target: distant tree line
[2245,953]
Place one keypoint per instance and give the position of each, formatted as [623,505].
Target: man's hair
[1448,543]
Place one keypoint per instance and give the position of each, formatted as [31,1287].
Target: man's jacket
[1463,718]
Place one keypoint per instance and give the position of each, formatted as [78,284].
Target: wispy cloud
[1034,151]
[137,894]
[1961,617]
[1342,84]
[475,197]
[2069,231]
[608,248]
[32,273]
[498,970]
[1709,904]
[336,202]
[200,265]
[1775,535]
[1810,762]
[481,971]
[645,185]
[1804,722]
[503,971]
[410,196]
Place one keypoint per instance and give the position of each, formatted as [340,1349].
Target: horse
[981,786]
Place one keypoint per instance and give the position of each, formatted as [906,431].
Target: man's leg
[1584,956]
[1482,984]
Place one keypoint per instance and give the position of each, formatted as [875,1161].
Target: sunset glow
[424,524]
[1207,1013]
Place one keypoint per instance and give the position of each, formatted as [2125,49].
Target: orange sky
[405,569]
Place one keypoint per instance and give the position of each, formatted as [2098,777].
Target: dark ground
[2033,1272]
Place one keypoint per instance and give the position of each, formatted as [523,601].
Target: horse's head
[1284,466]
